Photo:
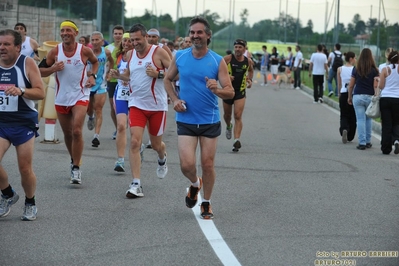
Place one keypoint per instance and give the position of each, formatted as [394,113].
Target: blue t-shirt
[202,103]
[364,85]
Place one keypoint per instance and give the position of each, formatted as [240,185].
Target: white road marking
[214,238]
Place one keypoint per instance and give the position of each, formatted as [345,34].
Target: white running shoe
[162,170]
[30,213]
[76,177]
[134,191]
[5,204]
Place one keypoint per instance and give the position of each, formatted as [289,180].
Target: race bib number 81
[7,103]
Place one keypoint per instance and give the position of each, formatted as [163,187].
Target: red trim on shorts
[156,120]
[65,110]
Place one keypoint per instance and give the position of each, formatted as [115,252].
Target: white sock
[121,159]
[206,200]
[162,160]
[96,136]
[196,184]
[136,181]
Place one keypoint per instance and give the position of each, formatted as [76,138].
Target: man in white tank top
[147,102]
[153,38]
[29,46]
[68,60]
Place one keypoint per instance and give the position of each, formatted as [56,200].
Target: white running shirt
[26,49]
[70,82]
[147,93]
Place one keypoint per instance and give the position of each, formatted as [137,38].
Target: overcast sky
[269,9]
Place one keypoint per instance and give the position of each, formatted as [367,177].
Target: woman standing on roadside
[389,104]
[347,127]
[363,81]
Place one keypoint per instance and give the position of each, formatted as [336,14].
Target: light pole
[99,11]
[297,22]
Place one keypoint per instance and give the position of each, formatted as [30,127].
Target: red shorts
[156,120]
[68,109]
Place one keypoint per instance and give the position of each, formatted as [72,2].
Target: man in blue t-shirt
[198,115]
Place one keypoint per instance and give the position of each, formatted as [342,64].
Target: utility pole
[99,11]
[279,21]
[297,22]
[177,19]
[325,24]
[123,14]
[378,34]
[230,31]
[337,25]
[285,23]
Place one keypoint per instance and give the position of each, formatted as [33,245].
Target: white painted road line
[217,242]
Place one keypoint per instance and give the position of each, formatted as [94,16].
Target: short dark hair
[20,24]
[264,46]
[118,27]
[198,19]
[320,47]
[299,47]
[17,36]
[138,27]
[338,46]
[241,42]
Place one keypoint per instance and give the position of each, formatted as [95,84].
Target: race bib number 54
[8,103]
[123,93]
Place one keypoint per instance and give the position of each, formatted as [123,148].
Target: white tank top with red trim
[147,93]
[70,82]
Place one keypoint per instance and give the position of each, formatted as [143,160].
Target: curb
[375,126]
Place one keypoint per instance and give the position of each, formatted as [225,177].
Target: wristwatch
[22,91]
[94,75]
[160,74]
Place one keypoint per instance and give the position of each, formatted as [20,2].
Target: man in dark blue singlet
[20,86]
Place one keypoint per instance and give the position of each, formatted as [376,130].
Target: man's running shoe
[91,123]
[5,204]
[396,150]
[229,131]
[142,148]
[114,135]
[76,177]
[119,166]
[95,143]
[236,146]
[134,191]
[30,212]
[206,211]
[162,169]
[192,195]
[148,145]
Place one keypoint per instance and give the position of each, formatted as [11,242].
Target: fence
[42,24]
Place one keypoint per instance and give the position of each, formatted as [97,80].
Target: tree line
[284,28]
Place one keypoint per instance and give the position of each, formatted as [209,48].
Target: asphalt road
[292,195]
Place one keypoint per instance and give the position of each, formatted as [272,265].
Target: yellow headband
[69,24]
[126,35]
